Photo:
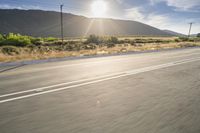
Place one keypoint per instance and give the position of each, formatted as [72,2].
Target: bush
[99,40]
[70,47]
[37,41]
[191,39]
[16,40]
[1,37]
[50,39]
[184,39]
[177,40]
[22,41]
[140,40]
[90,46]
[111,44]
[93,39]
[113,40]
[198,35]
[9,50]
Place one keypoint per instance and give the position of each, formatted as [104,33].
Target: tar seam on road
[11,68]
[127,73]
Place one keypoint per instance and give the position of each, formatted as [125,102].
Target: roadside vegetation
[198,35]
[14,47]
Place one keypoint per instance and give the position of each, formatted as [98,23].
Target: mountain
[193,35]
[174,33]
[47,23]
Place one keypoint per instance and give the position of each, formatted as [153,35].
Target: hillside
[47,23]
[174,33]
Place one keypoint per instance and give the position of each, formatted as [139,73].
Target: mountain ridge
[47,23]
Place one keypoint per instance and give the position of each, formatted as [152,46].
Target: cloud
[120,1]
[161,21]
[134,14]
[6,6]
[180,5]
[157,20]
[153,19]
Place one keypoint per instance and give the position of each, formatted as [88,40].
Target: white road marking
[67,83]
[57,85]
[127,73]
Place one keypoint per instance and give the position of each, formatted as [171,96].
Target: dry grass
[119,48]
[159,38]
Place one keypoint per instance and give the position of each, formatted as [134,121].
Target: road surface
[137,93]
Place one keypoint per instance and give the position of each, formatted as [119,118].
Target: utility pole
[61,18]
[190,28]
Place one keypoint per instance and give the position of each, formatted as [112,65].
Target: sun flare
[99,8]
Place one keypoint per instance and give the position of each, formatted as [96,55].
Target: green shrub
[1,37]
[9,50]
[16,40]
[37,41]
[50,39]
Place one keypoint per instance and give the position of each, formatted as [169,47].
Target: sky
[172,15]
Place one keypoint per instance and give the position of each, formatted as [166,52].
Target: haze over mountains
[47,23]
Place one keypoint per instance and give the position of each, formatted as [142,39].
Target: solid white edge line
[147,69]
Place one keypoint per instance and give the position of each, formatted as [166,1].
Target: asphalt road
[137,93]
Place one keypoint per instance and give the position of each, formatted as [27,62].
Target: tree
[198,35]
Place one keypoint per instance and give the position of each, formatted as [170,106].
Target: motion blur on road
[154,92]
[99,66]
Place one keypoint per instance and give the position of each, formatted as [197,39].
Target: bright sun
[99,8]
